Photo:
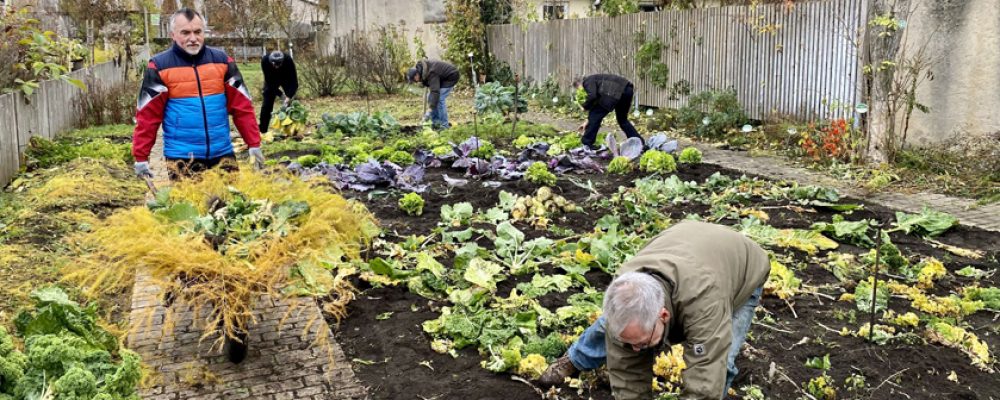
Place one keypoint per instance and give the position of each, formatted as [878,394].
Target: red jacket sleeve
[149,113]
[238,105]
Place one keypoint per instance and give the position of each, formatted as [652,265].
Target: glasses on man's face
[648,342]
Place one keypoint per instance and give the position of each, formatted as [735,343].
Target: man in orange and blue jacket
[191,90]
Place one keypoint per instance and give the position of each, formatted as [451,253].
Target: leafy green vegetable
[412,204]
[690,155]
[820,363]
[807,241]
[927,223]
[67,355]
[973,272]
[309,160]
[854,232]
[656,161]
[456,215]
[541,285]
[990,296]
[493,99]
[513,251]
[620,165]
[539,173]
[378,124]
[483,273]
[863,296]
[551,346]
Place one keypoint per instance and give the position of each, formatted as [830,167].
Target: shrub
[106,103]
[620,165]
[690,155]
[711,114]
[377,57]
[412,204]
[657,162]
[323,76]
[539,173]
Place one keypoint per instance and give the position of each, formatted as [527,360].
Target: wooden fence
[798,62]
[49,111]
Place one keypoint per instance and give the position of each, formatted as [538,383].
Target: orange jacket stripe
[181,81]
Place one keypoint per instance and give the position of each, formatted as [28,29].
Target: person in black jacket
[440,77]
[605,93]
[279,75]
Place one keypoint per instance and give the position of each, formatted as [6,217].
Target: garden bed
[394,358]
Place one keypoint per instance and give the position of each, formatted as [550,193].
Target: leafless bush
[377,57]
[105,103]
[324,76]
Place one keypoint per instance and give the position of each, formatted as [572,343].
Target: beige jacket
[708,271]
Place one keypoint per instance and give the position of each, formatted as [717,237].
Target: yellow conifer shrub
[226,284]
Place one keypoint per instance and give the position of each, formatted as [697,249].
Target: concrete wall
[964,95]
[417,18]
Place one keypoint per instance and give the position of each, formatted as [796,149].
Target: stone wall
[963,41]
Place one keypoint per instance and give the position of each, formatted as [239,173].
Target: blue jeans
[588,352]
[439,111]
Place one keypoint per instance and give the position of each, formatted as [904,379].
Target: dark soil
[389,352]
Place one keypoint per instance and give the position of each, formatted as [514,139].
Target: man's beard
[188,50]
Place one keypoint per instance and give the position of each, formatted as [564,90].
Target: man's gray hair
[188,14]
[632,297]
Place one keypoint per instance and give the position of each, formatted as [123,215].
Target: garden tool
[150,185]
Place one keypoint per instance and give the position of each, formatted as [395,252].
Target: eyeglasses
[648,342]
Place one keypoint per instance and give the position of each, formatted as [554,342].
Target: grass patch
[254,78]
[951,172]
[40,208]
[112,142]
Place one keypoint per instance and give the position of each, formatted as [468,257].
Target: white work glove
[427,116]
[287,101]
[257,156]
[142,170]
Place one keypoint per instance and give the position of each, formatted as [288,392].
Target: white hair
[188,14]
[633,297]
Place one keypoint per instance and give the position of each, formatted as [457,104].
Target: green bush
[711,114]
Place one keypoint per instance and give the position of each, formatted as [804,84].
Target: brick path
[279,365]
[968,213]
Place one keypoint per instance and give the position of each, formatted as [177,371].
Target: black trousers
[178,168]
[266,108]
[598,113]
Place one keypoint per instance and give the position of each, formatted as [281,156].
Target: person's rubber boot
[557,372]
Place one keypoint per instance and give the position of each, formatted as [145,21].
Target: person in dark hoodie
[605,93]
[279,76]
[440,77]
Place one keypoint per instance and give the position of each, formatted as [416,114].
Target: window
[554,11]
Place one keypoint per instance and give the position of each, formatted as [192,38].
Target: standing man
[695,283]
[279,75]
[605,93]
[440,77]
[192,90]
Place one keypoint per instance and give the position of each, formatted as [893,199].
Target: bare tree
[242,18]
[893,70]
